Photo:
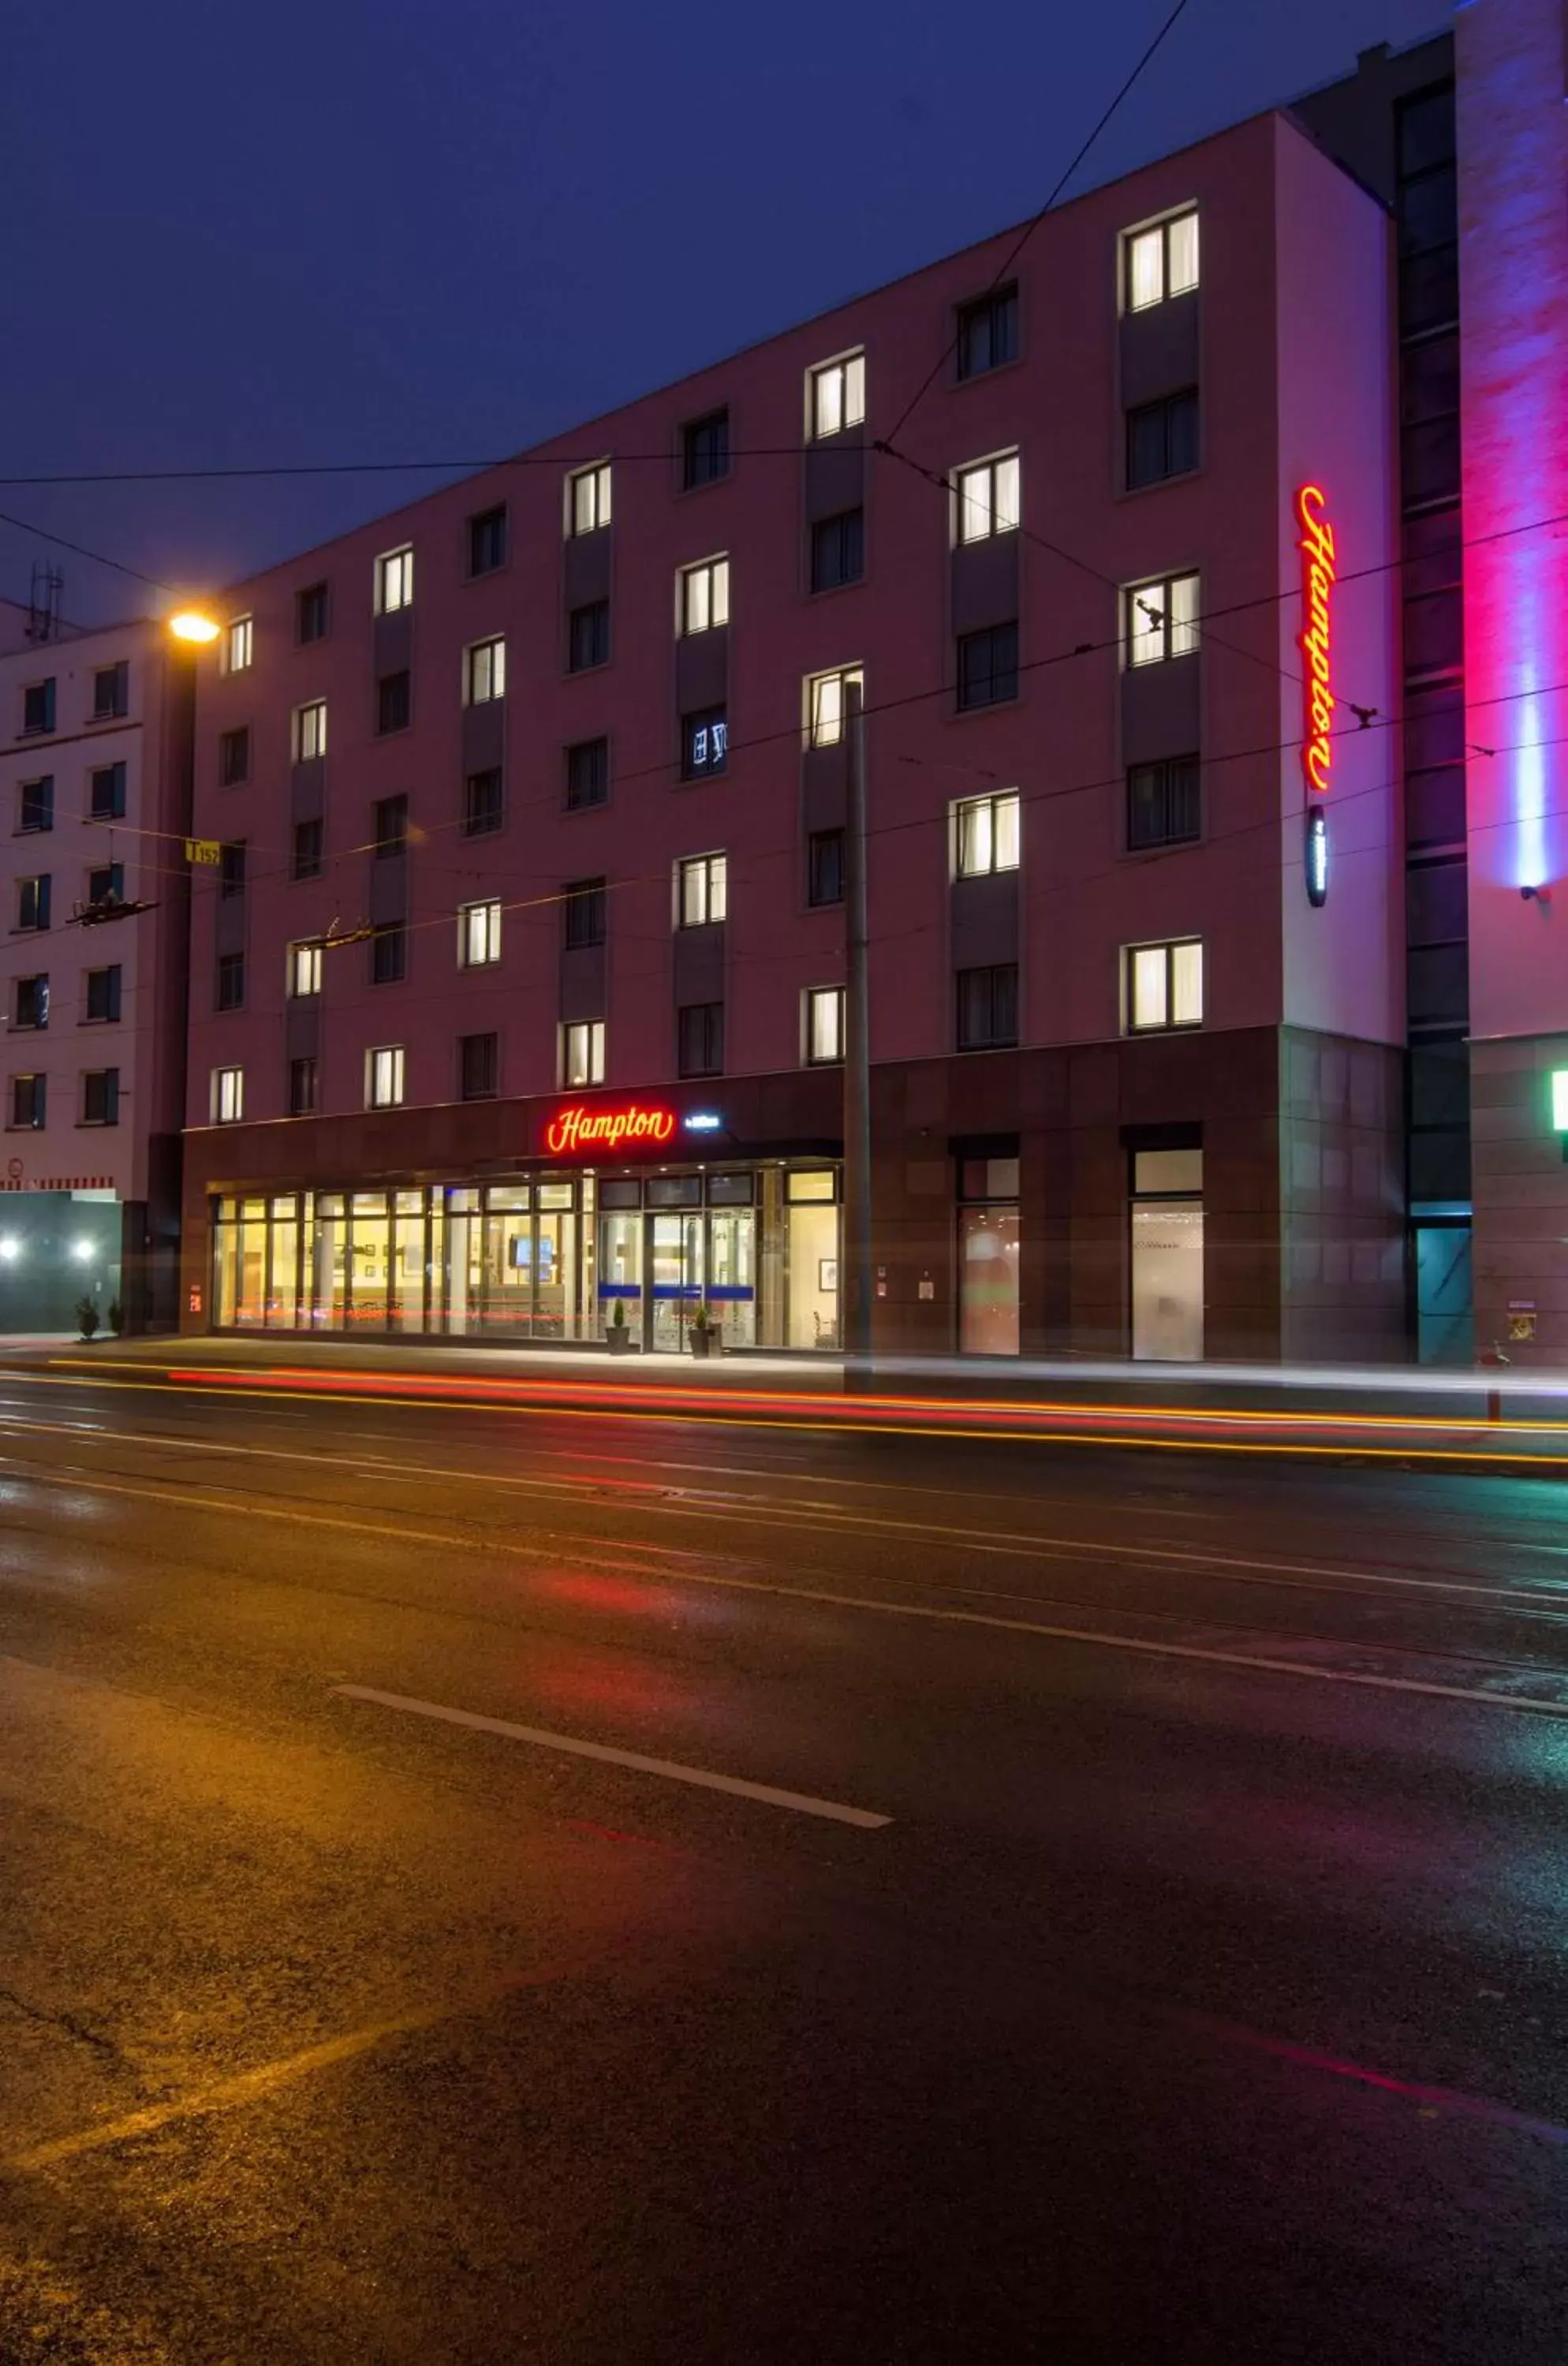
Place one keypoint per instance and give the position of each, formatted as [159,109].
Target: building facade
[95,748]
[516,1003]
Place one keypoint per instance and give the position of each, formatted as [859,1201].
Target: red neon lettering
[1316,638]
[576,1128]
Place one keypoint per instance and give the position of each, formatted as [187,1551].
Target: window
[30,1101]
[312,616]
[837,550]
[699,1040]
[308,849]
[487,541]
[835,395]
[988,499]
[389,954]
[36,806]
[239,645]
[829,699]
[233,757]
[1163,803]
[583,1052]
[384,1077]
[824,1025]
[583,906]
[587,774]
[987,667]
[1163,986]
[228,1095]
[111,691]
[304,1088]
[394,701]
[704,743]
[1162,439]
[102,993]
[704,596]
[394,580]
[303,967]
[100,1097]
[704,449]
[987,1006]
[230,869]
[479,1067]
[230,994]
[985,835]
[105,792]
[106,885]
[38,707]
[484,671]
[700,891]
[32,1002]
[32,902]
[479,934]
[310,731]
[588,636]
[987,331]
[389,827]
[1161,620]
[484,803]
[1159,262]
[825,867]
[588,498]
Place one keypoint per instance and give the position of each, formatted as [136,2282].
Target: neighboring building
[532,796]
[94,768]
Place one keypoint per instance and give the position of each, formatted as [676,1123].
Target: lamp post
[857,1271]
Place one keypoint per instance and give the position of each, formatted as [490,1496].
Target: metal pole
[857,1278]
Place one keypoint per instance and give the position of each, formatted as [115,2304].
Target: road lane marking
[1138,1645]
[253,2085]
[1545,1596]
[802,1802]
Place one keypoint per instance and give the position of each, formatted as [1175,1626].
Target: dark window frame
[479,1067]
[388,963]
[116,705]
[847,544]
[487,538]
[998,682]
[590,760]
[699,1039]
[588,636]
[484,811]
[106,1081]
[584,915]
[229,983]
[112,808]
[989,994]
[234,756]
[704,718]
[303,864]
[108,992]
[389,826]
[312,607]
[304,1084]
[825,868]
[704,449]
[35,806]
[1174,815]
[978,321]
[1166,412]
[394,701]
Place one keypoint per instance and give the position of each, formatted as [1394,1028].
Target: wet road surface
[490,1885]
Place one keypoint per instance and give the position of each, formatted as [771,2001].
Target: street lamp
[190,624]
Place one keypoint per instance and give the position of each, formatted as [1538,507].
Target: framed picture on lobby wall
[827,1273]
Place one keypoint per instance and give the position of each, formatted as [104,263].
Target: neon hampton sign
[630,1125]
[1315,640]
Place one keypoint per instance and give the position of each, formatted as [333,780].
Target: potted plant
[617,1337]
[117,1318]
[704,1331]
[87,1316]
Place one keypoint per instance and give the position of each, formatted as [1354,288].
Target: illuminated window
[310,734]
[588,498]
[1164,803]
[583,1052]
[484,671]
[1160,261]
[384,1077]
[989,498]
[703,600]
[1161,620]
[704,743]
[1560,1101]
[479,934]
[835,395]
[985,835]
[831,698]
[239,644]
[987,331]
[228,1095]
[1163,985]
[304,967]
[824,1025]
[700,890]
[394,580]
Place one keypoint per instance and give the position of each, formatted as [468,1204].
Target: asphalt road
[1037,1904]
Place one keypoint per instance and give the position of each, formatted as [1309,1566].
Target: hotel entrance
[667,1246]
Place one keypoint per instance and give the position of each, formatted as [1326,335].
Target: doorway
[1168,1255]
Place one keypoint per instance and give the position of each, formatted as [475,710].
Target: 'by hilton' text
[1315,639]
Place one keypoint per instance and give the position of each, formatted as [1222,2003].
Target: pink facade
[1281,351]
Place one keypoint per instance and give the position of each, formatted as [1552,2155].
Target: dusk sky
[351,231]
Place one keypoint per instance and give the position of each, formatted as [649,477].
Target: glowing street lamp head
[80,1251]
[10,1249]
[190,624]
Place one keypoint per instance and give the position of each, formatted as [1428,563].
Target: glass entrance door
[732,1274]
[675,1278]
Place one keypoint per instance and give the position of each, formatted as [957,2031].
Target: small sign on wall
[1521,1318]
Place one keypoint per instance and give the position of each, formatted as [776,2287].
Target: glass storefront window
[620,1266]
[369,1252]
[988,1280]
[812,1246]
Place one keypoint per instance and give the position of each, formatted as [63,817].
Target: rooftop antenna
[43,601]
